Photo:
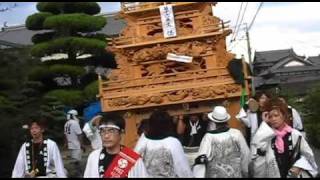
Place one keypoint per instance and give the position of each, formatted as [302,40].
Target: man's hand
[295,171]
[32,174]
[28,175]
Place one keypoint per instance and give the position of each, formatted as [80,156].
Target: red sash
[121,164]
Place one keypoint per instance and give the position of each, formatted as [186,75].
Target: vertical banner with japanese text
[167,19]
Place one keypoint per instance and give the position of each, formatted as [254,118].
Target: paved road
[72,172]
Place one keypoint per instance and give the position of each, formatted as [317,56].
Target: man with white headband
[113,159]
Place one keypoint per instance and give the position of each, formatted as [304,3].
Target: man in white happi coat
[38,157]
[114,160]
[251,117]
[162,153]
[223,152]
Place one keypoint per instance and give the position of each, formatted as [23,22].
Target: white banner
[167,19]
[179,58]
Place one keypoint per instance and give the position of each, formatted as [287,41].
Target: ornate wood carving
[201,93]
[145,78]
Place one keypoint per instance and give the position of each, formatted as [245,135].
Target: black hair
[114,118]
[39,120]
[222,124]
[143,126]
[262,92]
[198,115]
[160,124]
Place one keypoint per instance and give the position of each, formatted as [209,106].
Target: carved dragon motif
[201,93]
[194,49]
[177,95]
[138,100]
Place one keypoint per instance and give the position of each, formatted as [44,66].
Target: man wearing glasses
[114,159]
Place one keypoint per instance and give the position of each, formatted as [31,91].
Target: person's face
[36,131]
[276,119]
[111,137]
[262,100]
[194,118]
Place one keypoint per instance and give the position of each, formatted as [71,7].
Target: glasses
[105,131]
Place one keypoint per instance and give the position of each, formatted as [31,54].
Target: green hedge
[34,84]
[67,97]
[75,22]
[61,45]
[39,72]
[90,8]
[312,120]
[70,70]
[39,38]
[35,21]
[91,90]
[53,7]
[6,84]
[6,104]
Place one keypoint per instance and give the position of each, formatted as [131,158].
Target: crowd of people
[274,145]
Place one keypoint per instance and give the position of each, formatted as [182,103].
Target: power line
[234,42]
[244,12]
[237,20]
[253,19]
[261,3]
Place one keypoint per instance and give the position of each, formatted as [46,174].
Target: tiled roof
[272,56]
[314,59]
[273,62]
[21,35]
[279,66]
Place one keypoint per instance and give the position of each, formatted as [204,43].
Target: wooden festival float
[170,55]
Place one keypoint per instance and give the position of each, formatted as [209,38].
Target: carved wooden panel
[145,78]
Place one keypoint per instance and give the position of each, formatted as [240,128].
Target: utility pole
[250,61]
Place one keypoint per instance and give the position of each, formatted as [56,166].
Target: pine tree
[67,31]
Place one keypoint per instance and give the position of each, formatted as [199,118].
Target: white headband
[109,126]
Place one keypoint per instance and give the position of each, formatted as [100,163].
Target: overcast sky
[278,25]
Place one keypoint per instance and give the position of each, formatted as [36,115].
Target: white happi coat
[266,166]
[297,121]
[54,163]
[227,152]
[138,170]
[250,119]
[163,157]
